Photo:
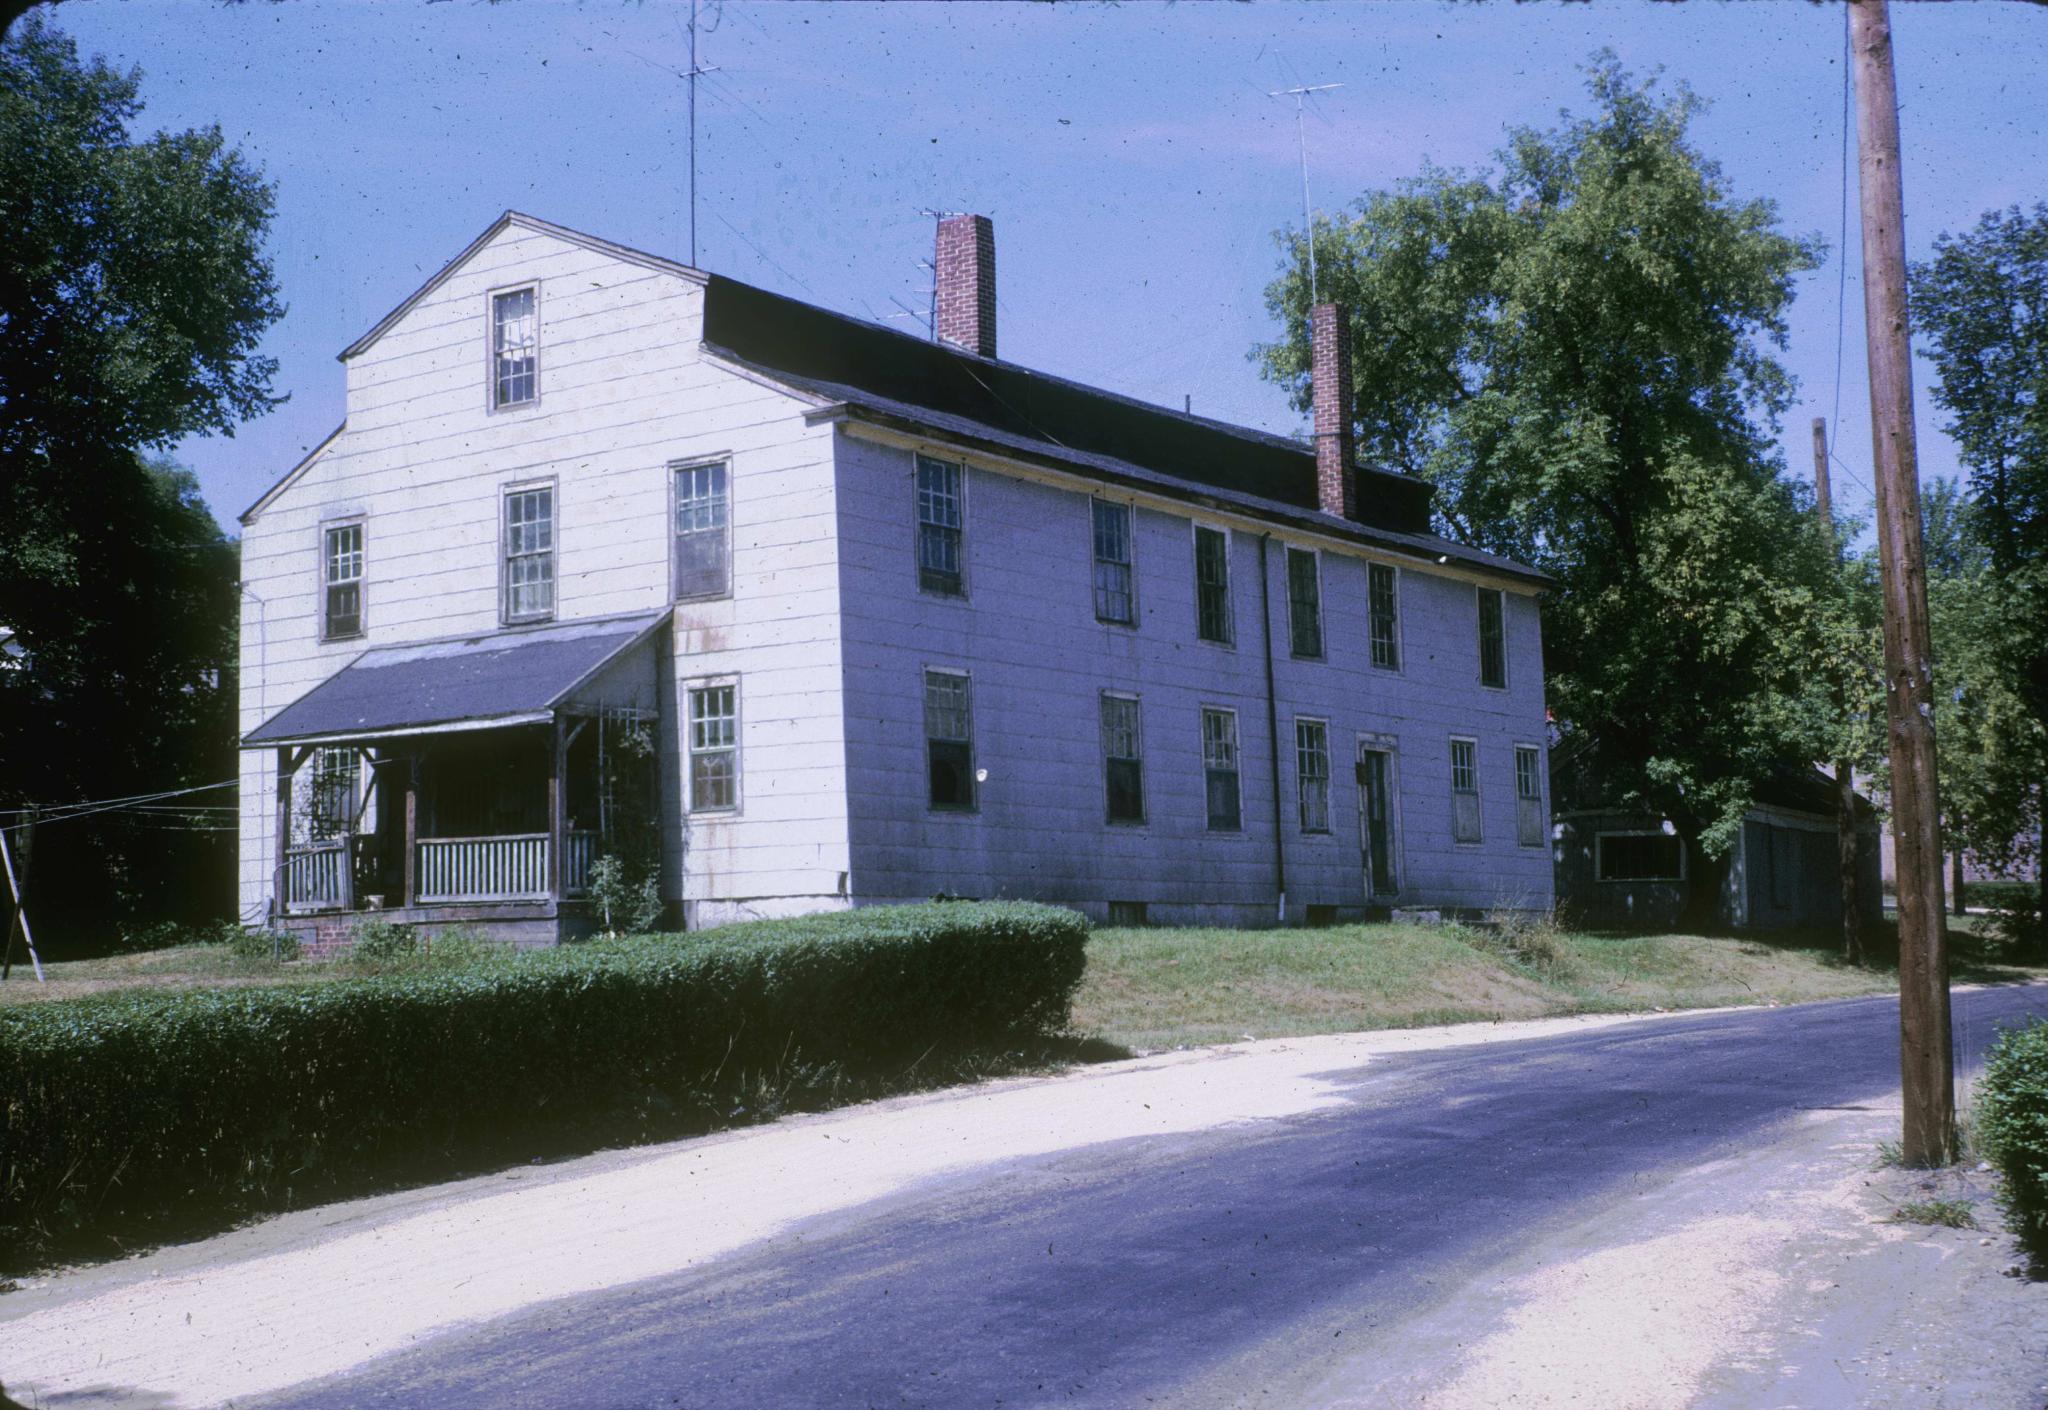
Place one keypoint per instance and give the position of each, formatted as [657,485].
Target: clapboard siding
[623,392]
[1039,660]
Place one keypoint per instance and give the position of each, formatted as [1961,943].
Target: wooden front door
[1376,821]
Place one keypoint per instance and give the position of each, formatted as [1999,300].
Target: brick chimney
[966,260]
[1330,385]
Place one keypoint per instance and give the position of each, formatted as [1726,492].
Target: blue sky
[1129,155]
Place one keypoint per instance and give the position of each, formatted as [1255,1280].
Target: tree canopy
[133,293]
[1577,350]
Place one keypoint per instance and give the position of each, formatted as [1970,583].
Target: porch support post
[558,835]
[281,897]
[412,817]
[348,840]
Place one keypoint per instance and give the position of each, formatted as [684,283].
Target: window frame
[691,750]
[1130,698]
[973,803]
[1395,646]
[958,592]
[492,403]
[324,783]
[1236,768]
[506,616]
[1288,553]
[1500,597]
[1097,503]
[1302,778]
[1600,856]
[1476,791]
[676,470]
[1229,638]
[329,527]
[1535,753]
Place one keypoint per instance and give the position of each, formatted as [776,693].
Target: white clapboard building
[615,555]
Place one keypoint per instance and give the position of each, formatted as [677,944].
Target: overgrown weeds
[1943,1213]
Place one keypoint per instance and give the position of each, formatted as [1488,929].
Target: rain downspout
[1272,730]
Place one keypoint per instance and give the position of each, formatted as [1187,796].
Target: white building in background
[898,619]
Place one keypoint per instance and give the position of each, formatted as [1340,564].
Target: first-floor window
[1219,764]
[530,554]
[1312,774]
[949,739]
[1465,826]
[1528,795]
[1123,766]
[343,610]
[703,532]
[1638,856]
[714,748]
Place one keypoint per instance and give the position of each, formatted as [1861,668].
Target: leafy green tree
[1981,308]
[1576,350]
[133,293]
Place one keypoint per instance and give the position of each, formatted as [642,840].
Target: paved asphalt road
[1216,1269]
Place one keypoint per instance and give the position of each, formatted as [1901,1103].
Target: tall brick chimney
[966,260]
[1330,386]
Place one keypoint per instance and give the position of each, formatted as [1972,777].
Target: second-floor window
[1312,773]
[939,522]
[949,740]
[1113,597]
[1304,603]
[530,554]
[714,748]
[1493,643]
[1212,585]
[1219,766]
[515,347]
[703,532]
[1465,825]
[342,611]
[1384,608]
[1123,765]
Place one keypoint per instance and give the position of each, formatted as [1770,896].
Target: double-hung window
[331,808]
[714,748]
[1528,795]
[1212,585]
[530,554]
[1114,601]
[949,740]
[1304,603]
[515,347]
[1465,824]
[342,610]
[1312,774]
[1123,767]
[1493,644]
[1219,765]
[939,522]
[703,532]
[1384,611]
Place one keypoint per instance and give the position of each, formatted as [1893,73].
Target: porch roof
[473,682]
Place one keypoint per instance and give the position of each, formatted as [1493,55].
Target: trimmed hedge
[2011,1128]
[136,1105]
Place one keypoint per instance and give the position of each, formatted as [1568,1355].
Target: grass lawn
[1149,989]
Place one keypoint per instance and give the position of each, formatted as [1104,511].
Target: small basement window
[1638,856]
[1127,913]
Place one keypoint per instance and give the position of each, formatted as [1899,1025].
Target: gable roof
[524,222]
[277,486]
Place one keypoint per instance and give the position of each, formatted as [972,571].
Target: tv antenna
[1308,225]
[695,72]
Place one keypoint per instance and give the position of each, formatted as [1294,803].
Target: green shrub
[374,941]
[253,944]
[2010,1127]
[121,1108]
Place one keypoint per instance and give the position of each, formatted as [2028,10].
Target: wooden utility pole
[1926,1062]
[17,890]
[1845,775]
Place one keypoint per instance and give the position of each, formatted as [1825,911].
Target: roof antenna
[1308,228]
[931,324]
[696,71]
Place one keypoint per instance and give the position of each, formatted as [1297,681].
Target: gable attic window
[703,532]
[515,346]
[1304,604]
[1212,585]
[530,554]
[342,606]
[939,520]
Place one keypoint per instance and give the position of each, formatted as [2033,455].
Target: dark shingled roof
[495,676]
[845,358]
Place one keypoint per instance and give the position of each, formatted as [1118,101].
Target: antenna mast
[695,71]
[1308,228]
